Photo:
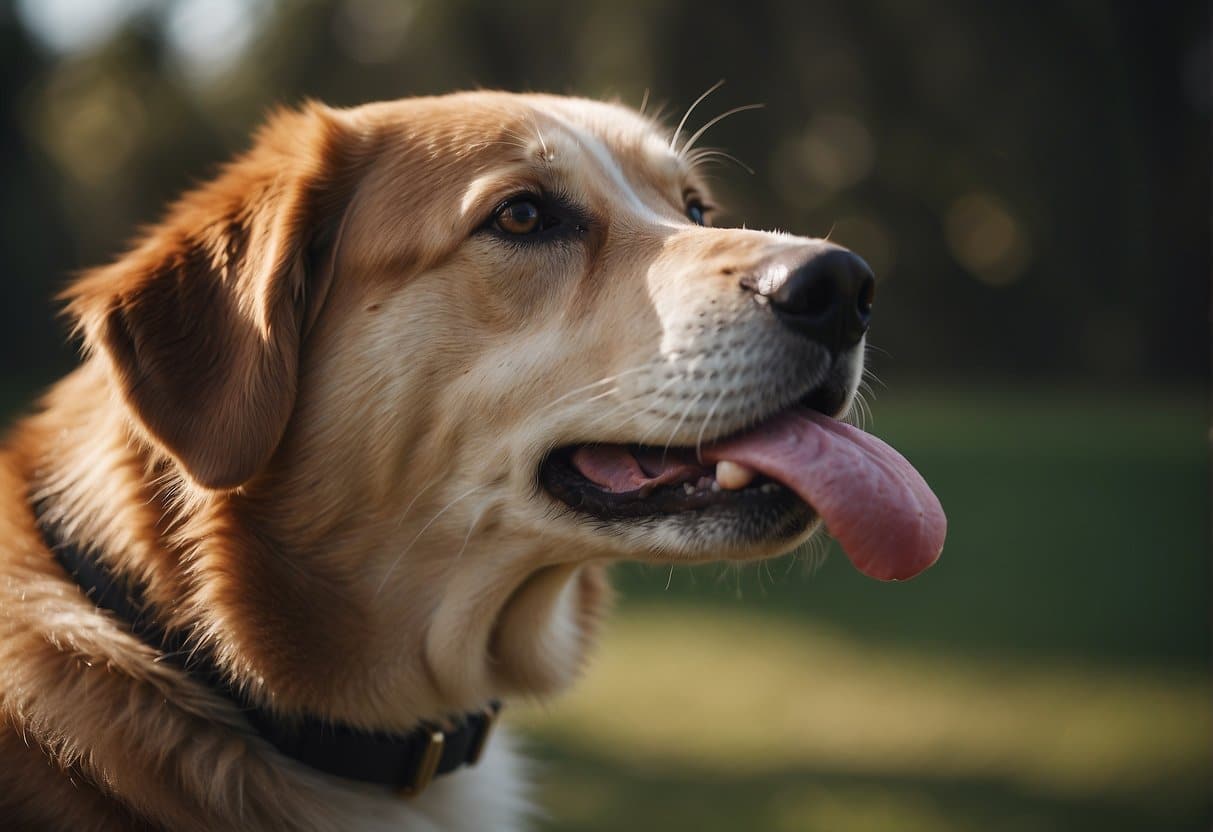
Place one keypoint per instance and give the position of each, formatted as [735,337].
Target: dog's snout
[826,296]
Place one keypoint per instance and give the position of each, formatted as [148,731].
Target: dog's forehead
[631,138]
[473,122]
[466,153]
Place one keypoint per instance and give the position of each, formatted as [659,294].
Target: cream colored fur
[309,418]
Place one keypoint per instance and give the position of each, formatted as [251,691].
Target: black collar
[403,762]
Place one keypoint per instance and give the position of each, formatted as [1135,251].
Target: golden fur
[309,418]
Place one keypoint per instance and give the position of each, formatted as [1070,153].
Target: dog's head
[447,352]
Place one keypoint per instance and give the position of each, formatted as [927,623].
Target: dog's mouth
[613,482]
[872,500]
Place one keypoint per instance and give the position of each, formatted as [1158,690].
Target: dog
[358,428]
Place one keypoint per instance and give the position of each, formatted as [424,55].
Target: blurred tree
[1031,183]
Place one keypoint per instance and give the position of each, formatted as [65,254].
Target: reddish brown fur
[292,388]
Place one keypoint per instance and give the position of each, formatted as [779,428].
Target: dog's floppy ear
[201,323]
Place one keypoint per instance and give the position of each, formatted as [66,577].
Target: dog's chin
[734,532]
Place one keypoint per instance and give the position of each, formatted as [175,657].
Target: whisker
[686,412]
[644,102]
[413,502]
[879,349]
[610,392]
[538,135]
[818,551]
[698,133]
[468,536]
[706,422]
[599,382]
[495,142]
[424,529]
[863,414]
[633,400]
[708,154]
[691,109]
[869,378]
[661,420]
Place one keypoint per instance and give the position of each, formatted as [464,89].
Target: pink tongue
[878,508]
[620,470]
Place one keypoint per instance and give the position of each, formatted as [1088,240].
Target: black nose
[826,295]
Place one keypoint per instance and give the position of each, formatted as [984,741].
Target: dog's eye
[522,216]
[696,212]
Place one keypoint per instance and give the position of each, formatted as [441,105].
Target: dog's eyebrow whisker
[691,109]
[500,142]
[543,146]
[706,422]
[698,133]
[708,154]
[396,562]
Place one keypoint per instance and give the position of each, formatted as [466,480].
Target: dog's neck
[298,621]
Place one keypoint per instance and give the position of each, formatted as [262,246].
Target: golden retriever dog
[359,426]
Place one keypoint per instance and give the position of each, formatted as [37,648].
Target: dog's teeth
[715,486]
[769,487]
[688,488]
[733,475]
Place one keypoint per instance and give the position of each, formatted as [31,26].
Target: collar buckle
[434,743]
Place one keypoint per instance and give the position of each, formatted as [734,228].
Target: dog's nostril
[816,301]
[825,296]
[867,295]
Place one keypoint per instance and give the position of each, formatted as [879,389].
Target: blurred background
[1031,183]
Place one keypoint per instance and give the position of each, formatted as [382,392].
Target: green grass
[1051,672]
